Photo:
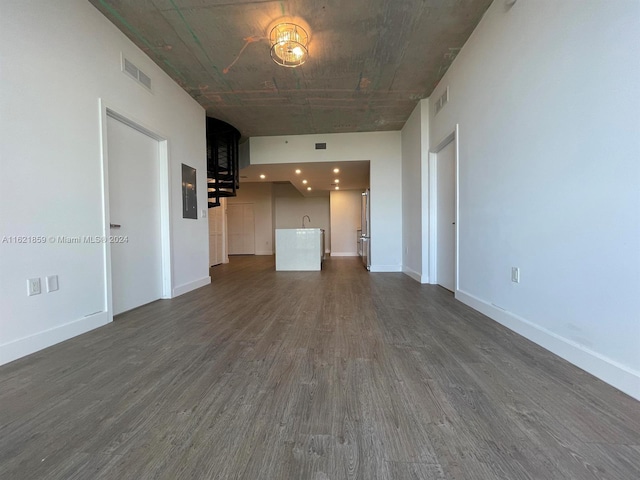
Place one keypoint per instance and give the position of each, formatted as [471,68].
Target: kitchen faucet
[306,216]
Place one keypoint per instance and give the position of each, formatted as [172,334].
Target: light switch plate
[52,283]
[515,274]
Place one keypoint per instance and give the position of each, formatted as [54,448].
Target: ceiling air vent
[134,72]
[321,146]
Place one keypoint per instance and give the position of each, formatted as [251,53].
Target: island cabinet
[299,249]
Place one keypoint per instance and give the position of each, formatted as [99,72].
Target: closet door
[241,229]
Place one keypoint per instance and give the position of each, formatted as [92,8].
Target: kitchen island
[299,249]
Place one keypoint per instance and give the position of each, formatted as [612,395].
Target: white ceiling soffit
[320,176]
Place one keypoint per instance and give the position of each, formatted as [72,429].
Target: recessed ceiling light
[336,181]
[298,171]
[337,187]
[336,170]
[309,188]
[263,176]
[304,181]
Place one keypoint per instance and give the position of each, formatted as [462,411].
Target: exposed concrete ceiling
[370,61]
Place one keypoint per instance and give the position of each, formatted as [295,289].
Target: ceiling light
[263,176]
[337,187]
[298,171]
[309,188]
[289,44]
[304,182]
[336,181]
[336,170]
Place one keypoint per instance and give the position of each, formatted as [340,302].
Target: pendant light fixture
[289,44]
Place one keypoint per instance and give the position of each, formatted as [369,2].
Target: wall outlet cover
[33,286]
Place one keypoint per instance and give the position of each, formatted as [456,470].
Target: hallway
[336,374]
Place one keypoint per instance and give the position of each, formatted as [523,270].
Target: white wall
[415,150]
[345,206]
[547,96]
[291,206]
[58,59]
[261,195]
[383,150]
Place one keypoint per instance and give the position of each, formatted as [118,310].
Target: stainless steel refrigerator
[365,225]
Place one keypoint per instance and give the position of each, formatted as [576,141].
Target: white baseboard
[25,346]
[344,254]
[187,287]
[385,268]
[415,275]
[265,252]
[614,373]
[412,273]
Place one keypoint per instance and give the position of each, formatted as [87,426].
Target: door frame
[454,136]
[117,113]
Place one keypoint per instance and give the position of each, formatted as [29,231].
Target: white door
[134,205]
[213,236]
[446,215]
[241,229]
[216,234]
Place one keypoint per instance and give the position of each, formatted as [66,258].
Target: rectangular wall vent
[321,146]
[442,100]
[146,81]
[131,69]
[134,72]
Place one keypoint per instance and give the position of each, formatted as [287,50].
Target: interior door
[249,230]
[241,229]
[134,206]
[446,215]
[216,233]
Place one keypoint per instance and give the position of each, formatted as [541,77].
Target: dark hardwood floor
[337,374]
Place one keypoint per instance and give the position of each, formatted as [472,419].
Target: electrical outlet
[33,286]
[52,283]
[515,274]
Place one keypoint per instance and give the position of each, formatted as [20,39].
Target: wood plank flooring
[339,374]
